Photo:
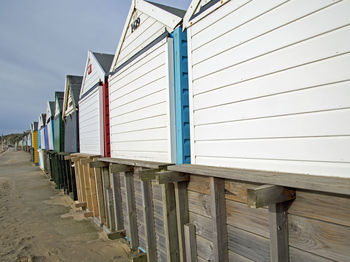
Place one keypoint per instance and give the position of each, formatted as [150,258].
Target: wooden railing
[201,213]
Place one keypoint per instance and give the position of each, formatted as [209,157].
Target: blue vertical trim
[39,140]
[182,119]
[46,136]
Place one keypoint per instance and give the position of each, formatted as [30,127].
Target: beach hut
[70,118]
[148,87]
[259,78]
[50,113]
[93,128]
[58,123]
[70,115]
[93,106]
[34,142]
[149,128]
[269,115]
[42,143]
[57,162]
[29,139]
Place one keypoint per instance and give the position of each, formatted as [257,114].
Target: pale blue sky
[43,40]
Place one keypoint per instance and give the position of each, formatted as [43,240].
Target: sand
[40,223]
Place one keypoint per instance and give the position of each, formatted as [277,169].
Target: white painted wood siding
[42,138]
[50,134]
[91,123]
[270,86]
[140,104]
[148,30]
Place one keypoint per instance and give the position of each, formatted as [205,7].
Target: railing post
[131,210]
[182,216]
[277,198]
[218,214]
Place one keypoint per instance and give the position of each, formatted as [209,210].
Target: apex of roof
[75,91]
[59,94]
[52,107]
[71,79]
[173,10]
[105,60]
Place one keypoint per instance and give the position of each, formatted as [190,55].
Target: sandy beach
[39,223]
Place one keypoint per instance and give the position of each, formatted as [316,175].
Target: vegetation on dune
[12,139]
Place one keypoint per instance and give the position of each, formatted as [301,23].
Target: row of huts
[217,134]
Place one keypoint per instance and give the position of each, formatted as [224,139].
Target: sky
[41,41]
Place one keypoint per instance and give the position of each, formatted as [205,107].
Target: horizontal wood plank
[138,163]
[297,255]
[334,185]
[325,207]
[249,245]
[234,190]
[320,238]
[269,194]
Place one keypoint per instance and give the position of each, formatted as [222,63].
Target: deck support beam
[278,200]
[218,214]
[131,210]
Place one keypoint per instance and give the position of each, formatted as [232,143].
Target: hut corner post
[278,200]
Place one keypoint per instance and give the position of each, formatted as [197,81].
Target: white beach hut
[41,129]
[143,86]
[269,85]
[93,105]
[50,112]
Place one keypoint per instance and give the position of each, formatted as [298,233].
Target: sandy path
[38,223]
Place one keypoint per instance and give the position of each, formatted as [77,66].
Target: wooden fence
[198,213]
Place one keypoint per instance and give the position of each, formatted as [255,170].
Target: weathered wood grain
[78,182]
[170,222]
[324,239]
[325,207]
[252,220]
[138,163]
[165,177]
[248,245]
[205,249]
[117,168]
[98,164]
[279,249]
[110,209]
[199,203]
[297,255]
[91,175]
[334,185]
[190,244]
[100,195]
[233,190]
[204,225]
[234,257]
[131,210]
[269,194]
[218,215]
[157,191]
[88,193]
[85,161]
[117,200]
[146,190]
[238,214]
[237,191]
[181,216]
[105,186]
